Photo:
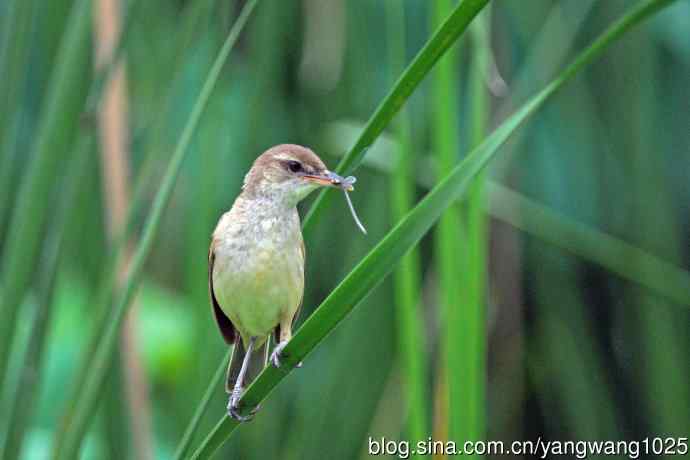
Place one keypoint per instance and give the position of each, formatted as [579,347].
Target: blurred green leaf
[619,257]
[59,122]
[24,398]
[438,44]
[102,300]
[407,278]
[101,356]
[14,53]
[202,408]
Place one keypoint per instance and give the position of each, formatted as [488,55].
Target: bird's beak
[327,179]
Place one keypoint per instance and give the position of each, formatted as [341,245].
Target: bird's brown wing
[223,322]
[301,300]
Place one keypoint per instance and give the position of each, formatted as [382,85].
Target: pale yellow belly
[257,292]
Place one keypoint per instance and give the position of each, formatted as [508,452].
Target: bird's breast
[258,273]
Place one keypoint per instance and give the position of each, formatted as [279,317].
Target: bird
[256,262]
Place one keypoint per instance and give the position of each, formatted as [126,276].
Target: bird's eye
[294,166]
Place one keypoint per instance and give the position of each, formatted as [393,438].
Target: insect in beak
[344,183]
[329,179]
[332,179]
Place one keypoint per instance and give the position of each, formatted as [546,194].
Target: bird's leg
[285,336]
[238,389]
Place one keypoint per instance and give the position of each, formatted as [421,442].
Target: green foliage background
[583,321]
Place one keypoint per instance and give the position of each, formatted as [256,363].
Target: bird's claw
[277,351]
[275,355]
[234,406]
[233,412]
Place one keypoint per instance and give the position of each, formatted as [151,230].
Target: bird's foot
[277,352]
[234,406]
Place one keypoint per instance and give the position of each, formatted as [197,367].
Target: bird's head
[287,173]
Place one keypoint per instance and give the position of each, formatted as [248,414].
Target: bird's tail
[257,362]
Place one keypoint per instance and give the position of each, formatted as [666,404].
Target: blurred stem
[109,64]
[407,277]
[662,375]
[58,123]
[469,333]
[440,405]
[26,394]
[200,200]
[472,329]
[114,139]
[116,251]
[102,293]
[156,139]
[114,414]
[14,52]
[101,356]
[193,427]
[447,249]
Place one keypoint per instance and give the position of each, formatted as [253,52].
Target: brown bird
[256,261]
